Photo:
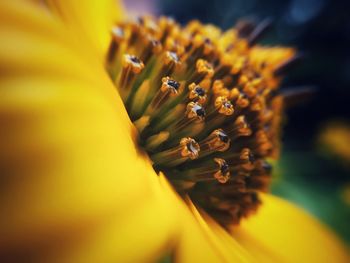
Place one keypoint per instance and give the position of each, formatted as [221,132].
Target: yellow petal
[91,18]
[34,42]
[142,232]
[69,169]
[199,238]
[65,154]
[282,232]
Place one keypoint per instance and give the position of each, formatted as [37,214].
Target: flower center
[206,107]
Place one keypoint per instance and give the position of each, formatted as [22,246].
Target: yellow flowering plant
[91,172]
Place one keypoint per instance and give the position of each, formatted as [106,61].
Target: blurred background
[314,170]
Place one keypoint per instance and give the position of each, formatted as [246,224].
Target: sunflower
[86,179]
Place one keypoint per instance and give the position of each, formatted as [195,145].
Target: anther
[224,106]
[208,46]
[247,159]
[223,174]
[197,93]
[203,69]
[250,89]
[240,127]
[241,100]
[262,143]
[190,148]
[171,58]
[118,34]
[219,88]
[257,104]
[200,47]
[132,66]
[133,63]
[170,85]
[149,25]
[174,46]
[195,110]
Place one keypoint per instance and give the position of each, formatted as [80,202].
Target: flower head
[206,106]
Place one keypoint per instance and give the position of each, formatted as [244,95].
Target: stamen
[195,113]
[117,37]
[131,67]
[217,141]
[169,88]
[187,149]
[134,31]
[240,128]
[167,25]
[168,64]
[152,47]
[242,160]
[212,170]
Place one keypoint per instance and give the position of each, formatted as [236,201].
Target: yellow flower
[75,188]
[334,139]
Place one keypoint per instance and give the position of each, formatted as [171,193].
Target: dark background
[320,30]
